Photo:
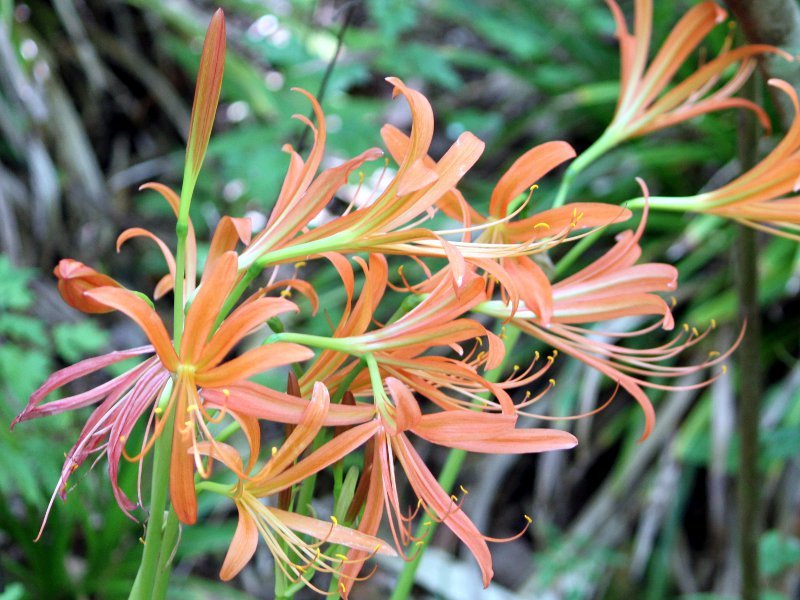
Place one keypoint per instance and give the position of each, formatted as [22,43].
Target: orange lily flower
[280,528]
[757,198]
[199,362]
[467,430]
[611,287]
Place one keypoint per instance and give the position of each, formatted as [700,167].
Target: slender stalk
[447,479]
[603,144]
[145,581]
[169,545]
[750,385]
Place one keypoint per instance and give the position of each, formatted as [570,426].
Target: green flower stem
[447,479]
[169,545]
[145,581]
[316,341]
[603,144]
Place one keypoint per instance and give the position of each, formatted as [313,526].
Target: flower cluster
[368,389]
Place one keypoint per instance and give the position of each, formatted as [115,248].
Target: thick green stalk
[750,385]
[447,479]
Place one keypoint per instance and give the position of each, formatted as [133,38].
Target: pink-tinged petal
[64,376]
[75,279]
[143,315]
[217,283]
[325,456]
[206,96]
[225,453]
[243,545]
[301,437]
[304,288]
[290,182]
[242,322]
[427,488]
[229,232]
[527,170]
[191,240]
[251,399]
[533,286]
[493,434]
[335,534]
[408,413]
[181,467]
[253,361]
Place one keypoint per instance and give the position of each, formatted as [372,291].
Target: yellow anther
[552,382]
[479,340]
[541,225]
[694,331]
[226,392]
[318,554]
[551,359]
[463,489]
[191,407]
[713,354]
[536,355]
[713,323]
[188,423]
[340,557]
[555,353]
[419,543]
[286,293]
[453,497]
[686,327]
[516,367]
[419,502]
[724,369]
[274,450]
[123,438]
[158,410]
[341,584]
[141,539]
[527,394]
[533,187]
[528,519]
[427,523]
[335,520]
[299,264]
[674,301]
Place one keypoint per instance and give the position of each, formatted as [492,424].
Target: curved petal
[253,361]
[243,545]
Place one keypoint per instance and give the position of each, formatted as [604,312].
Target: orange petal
[254,361]
[181,467]
[527,170]
[145,317]
[75,278]
[243,545]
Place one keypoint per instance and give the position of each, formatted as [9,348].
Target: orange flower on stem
[759,198]
[645,104]
[297,559]
[612,287]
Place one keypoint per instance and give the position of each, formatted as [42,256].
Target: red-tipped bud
[75,278]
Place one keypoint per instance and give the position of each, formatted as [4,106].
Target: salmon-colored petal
[165,251]
[493,434]
[408,413]
[243,545]
[577,215]
[248,398]
[217,284]
[145,317]
[242,322]
[429,490]
[75,279]
[301,437]
[527,170]
[253,361]
[326,455]
[229,232]
[181,470]
[533,286]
